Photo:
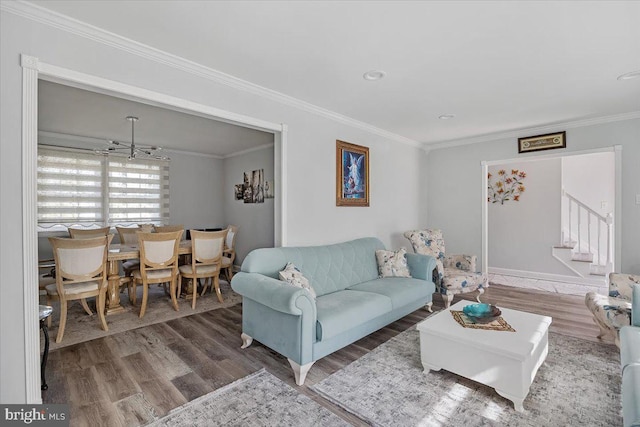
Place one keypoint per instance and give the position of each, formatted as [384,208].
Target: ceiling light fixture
[374,75]
[629,76]
[446,116]
[135,151]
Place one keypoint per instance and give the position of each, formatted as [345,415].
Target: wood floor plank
[135,410]
[115,380]
[96,414]
[191,386]
[162,394]
[202,365]
[164,365]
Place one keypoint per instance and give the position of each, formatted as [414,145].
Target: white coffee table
[506,361]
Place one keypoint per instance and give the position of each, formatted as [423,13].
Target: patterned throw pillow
[293,276]
[392,263]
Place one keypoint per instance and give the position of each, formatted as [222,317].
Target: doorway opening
[549,221]
[33,71]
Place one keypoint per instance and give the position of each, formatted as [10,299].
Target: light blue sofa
[351,302]
[630,361]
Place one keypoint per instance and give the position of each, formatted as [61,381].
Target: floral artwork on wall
[505,186]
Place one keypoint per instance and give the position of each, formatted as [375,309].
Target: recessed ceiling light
[629,76]
[446,116]
[374,75]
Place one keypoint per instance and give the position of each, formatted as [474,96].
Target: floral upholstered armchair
[454,274]
[612,312]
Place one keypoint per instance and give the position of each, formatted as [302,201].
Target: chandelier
[134,151]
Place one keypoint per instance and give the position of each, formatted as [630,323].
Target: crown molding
[518,133]
[249,150]
[74,26]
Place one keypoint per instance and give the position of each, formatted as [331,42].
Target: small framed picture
[352,174]
[542,142]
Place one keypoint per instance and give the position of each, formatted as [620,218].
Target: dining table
[122,252]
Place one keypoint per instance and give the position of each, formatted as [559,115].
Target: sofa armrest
[461,262]
[421,266]
[271,292]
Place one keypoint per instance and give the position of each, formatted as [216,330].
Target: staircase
[586,240]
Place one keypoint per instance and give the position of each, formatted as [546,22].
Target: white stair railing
[582,222]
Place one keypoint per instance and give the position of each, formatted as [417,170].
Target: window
[80,188]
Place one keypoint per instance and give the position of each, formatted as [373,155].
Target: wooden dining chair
[168,228]
[90,233]
[84,233]
[229,253]
[158,264]
[206,261]
[129,236]
[81,272]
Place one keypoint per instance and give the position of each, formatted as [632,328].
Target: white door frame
[617,149]
[32,71]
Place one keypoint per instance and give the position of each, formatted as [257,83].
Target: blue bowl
[477,310]
[481,313]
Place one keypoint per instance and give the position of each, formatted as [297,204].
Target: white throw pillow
[293,276]
[392,263]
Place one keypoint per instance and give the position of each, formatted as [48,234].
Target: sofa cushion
[629,345]
[392,263]
[401,291]
[342,310]
[329,268]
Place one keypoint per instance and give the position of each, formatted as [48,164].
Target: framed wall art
[542,142]
[352,174]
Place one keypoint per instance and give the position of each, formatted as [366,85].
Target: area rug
[579,384]
[81,327]
[259,399]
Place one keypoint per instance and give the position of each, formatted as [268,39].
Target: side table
[45,312]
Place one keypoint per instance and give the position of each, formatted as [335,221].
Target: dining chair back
[90,233]
[128,235]
[81,272]
[147,228]
[168,228]
[206,261]
[229,254]
[158,263]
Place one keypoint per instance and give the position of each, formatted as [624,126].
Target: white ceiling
[72,111]
[497,65]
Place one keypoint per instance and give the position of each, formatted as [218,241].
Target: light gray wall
[455,189]
[521,233]
[312,215]
[196,191]
[594,187]
[255,221]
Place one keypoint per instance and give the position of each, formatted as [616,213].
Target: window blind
[69,188]
[138,191]
[77,187]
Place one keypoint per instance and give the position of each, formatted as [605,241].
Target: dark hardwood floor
[125,378]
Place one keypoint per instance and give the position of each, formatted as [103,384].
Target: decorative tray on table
[481,313]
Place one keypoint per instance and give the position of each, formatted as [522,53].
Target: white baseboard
[596,281]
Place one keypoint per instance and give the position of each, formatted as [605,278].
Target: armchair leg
[447,299]
[246,340]
[300,371]
[480,292]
